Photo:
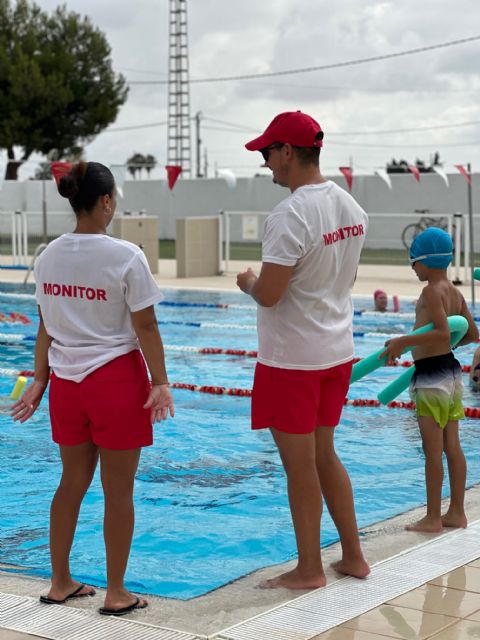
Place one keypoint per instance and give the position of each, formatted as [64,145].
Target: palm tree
[149,162]
[136,163]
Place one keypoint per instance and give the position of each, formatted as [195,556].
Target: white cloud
[232,37]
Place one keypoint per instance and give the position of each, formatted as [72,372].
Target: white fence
[21,233]
[386,231]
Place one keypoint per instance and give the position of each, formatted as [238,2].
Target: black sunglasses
[266,151]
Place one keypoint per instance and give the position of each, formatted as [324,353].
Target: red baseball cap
[294,127]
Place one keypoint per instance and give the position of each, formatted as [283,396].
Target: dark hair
[309,155]
[85,183]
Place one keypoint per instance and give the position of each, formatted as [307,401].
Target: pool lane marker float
[458,328]
[6,403]
[17,390]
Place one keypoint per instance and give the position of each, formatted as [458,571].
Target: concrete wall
[207,197]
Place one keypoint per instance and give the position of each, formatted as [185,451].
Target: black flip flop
[71,596]
[124,610]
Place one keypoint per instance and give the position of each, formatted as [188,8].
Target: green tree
[150,162]
[57,86]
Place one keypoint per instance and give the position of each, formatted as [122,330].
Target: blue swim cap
[433,248]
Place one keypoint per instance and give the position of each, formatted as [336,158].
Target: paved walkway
[394,279]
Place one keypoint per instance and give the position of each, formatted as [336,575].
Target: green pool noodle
[458,328]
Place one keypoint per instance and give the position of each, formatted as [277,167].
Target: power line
[136,126]
[324,67]
[406,146]
[232,127]
[240,128]
[232,124]
[322,87]
[409,130]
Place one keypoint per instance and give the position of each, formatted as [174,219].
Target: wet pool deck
[445,608]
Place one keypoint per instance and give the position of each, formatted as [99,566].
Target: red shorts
[105,408]
[297,400]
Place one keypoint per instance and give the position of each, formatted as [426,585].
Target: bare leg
[432,440]
[457,473]
[337,491]
[79,464]
[298,457]
[118,472]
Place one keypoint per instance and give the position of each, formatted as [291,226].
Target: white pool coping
[302,618]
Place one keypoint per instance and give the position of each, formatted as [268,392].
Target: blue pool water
[210,495]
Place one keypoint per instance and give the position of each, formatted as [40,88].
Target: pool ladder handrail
[38,250]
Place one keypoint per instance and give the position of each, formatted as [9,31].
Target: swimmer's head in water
[433,248]
[380,299]
[475,378]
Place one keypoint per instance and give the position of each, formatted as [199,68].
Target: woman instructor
[96,295]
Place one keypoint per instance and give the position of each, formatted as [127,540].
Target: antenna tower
[179,141]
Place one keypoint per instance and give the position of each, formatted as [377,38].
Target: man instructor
[310,253]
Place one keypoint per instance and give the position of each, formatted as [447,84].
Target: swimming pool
[211,503]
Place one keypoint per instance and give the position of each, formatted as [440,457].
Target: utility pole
[470,228]
[205,163]
[198,142]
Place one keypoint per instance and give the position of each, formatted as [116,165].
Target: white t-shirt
[86,287]
[320,230]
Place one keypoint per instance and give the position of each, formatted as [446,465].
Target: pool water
[211,501]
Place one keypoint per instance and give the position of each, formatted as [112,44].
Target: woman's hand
[160,402]
[26,406]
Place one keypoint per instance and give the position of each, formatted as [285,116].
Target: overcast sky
[232,37]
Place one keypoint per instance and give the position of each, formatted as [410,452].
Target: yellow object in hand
[18,388]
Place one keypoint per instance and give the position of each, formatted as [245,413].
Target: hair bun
[68,186]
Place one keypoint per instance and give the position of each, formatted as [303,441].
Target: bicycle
[412,230]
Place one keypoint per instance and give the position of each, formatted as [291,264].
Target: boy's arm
[432,303]
[472,333]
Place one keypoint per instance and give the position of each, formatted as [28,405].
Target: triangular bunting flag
[381,173]
[441,173]
[119,172]
[415,171]
[60,169]
[464,172]
[173,171]
[347,172]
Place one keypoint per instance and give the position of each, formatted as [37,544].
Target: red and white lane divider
[470,412]
[253,354]
[15,317]
[211,350]
[218,351]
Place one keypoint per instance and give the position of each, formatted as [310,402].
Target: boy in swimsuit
[436,385]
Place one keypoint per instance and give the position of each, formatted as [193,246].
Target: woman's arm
[160,399]
[24,408]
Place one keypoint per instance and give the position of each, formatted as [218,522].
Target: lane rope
[470,412]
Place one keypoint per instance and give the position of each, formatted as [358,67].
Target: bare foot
[294,580]
[426,525]
[455,520]
[356,568]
